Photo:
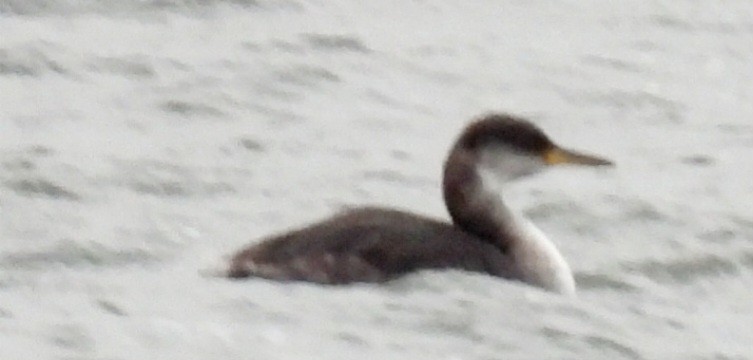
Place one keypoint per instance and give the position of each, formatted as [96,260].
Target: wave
[56,7]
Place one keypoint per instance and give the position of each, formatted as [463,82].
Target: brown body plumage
[369,245]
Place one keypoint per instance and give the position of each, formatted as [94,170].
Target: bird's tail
[215,270]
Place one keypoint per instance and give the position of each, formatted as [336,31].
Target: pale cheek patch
[507,164]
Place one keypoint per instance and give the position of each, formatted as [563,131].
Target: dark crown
[507,130]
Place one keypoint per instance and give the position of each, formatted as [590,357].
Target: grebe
[378,244]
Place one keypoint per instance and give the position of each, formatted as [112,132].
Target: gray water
[144,141]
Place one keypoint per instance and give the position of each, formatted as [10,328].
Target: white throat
[535,257]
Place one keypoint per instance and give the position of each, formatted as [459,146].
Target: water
[143,141]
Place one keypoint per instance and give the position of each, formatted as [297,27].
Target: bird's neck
[474,200]
[467,201]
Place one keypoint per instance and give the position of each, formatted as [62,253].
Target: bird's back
[368,245]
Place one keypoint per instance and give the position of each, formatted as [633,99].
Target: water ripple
[587,281]
[32,60]
[685,270]
[71,253]
[307,76]
[41,187]
[171,180]
[131,66]
[337,43]
[190,108]
[609,345]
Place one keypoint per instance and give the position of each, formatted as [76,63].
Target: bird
[379,244]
